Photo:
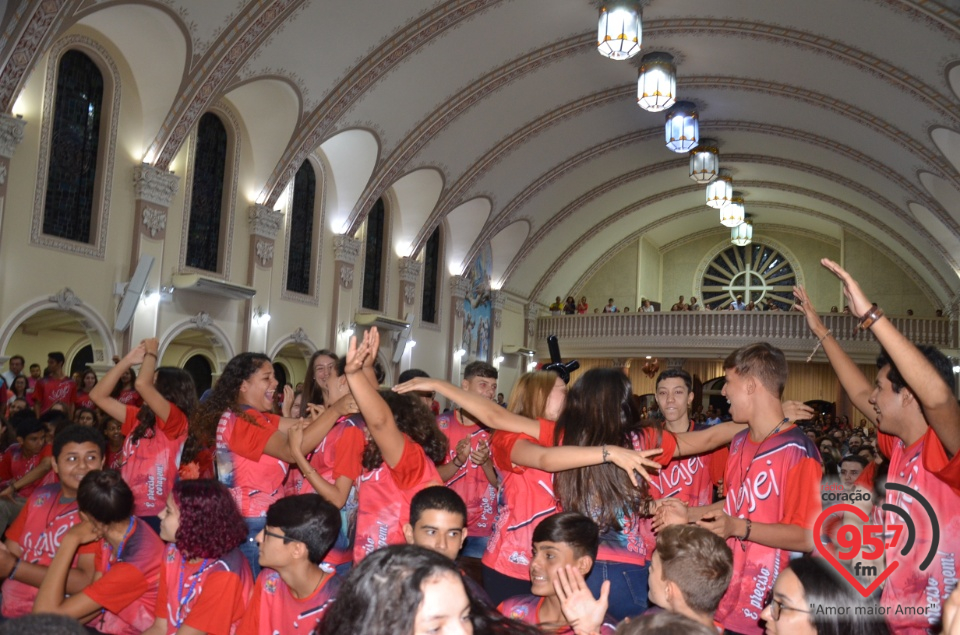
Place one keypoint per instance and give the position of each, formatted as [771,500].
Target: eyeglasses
[777,607]
[285,539]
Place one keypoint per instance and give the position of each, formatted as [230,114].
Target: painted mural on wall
[478,311]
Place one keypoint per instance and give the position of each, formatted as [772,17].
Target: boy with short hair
[34,537]
[23,466]
[564,549]
[293,590]
[690,572]
[55,387]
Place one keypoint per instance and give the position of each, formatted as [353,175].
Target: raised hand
[356,354]
[582,611]
[136,355]
[634,462]
[859,304]
[797,411]
[809,311]
[417,384]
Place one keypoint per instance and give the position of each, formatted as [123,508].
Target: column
[346,251]
[458,293]
[264,224]
[11,134]
[531,313]
[410,269]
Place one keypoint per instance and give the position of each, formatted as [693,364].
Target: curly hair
[416,421]
[383,593]
[176,386]
[210,521]
[224,396]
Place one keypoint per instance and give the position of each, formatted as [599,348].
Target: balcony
[708,334]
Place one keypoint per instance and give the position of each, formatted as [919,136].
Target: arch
[762,240]
[351,156]
[101,338]
[219,341]
[199,379]
[299,339]
[468,218]
[415,194]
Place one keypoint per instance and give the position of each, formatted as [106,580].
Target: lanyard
[181,599]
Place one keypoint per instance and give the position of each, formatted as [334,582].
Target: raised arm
[144,383]
[488,412]
[854,382]
[315,429]
[936,398]
[101,392]
[701,441]
[569,457]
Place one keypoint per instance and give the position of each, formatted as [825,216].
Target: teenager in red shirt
[55,387]
[88,379]
[913,405]
[124,387]
[123,595]
[205,580]
[155,433]
[252,451]
[293,591]
[35,536]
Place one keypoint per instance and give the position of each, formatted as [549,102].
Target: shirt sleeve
[176,424]
[350,448]
[936,462]
[213,612]
[718,464]
[653,438]
[47,451]
[250,440]
[130,421]
[803,493]
[885,443]
[250,624]
[118,588]
[409,469]
[501,444]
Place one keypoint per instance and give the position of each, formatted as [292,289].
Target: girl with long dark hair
[155,433]
[125,390]
[252,452]
[88,379]
[321,366]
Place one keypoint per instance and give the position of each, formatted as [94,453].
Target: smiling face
[548,558]
[89,380]
[486,387]
[74,462]
[257,390]
[886,403]
[737,389]
[169,520]
[445,609]
[674,399]
[323,368]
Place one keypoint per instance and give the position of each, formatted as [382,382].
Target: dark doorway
[199,368]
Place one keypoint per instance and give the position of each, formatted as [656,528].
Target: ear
[690,400]
[584,564]
[908,398]
[672,591]
[408,533]
[463,537]
[750,384]
[465,385]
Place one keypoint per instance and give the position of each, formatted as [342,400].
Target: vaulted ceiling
[501,117]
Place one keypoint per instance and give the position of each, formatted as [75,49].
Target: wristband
[153,355]
[455,462]
[16,565]
[746,536]
[606,454]
[869,318]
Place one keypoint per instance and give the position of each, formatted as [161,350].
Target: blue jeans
[628,587]
[250,549]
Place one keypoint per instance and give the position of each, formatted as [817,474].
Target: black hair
[46,623]
[58,357]
[78,434]
[224,395]
[341,366]
[823,586]
[26,423]
[939,361]
[676,372]
[411,373]
[78,411]
[20,357]
[480,369]
[414,420]
[438,497]
[176,386]
[105,496]
[382,594]
[573,529]
[854,458]
[309,519]
[55,417]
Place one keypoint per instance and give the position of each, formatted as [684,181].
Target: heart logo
[832,558]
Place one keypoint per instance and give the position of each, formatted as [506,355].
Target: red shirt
[149,465]
[922,466]
[14,466]
[775,481]
[130,397]
[83,400]
[49,391]
[470,481]
[127,588]
[526,498]
[273,609]
[210,596]
[526,609]
[38,530]
[336,456]
[255,479]
[384,496]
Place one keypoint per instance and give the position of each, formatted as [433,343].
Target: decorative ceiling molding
[786,229]
[39,21]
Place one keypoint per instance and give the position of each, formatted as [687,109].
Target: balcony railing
[710,334]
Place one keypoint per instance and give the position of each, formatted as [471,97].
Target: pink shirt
[273,609]
[149,465]
[255,479]
[470,481]
[384,496]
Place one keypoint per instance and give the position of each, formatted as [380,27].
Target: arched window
[206,199]
[431,278]
[373,256]
[299,259]
[758,272]
[75,138]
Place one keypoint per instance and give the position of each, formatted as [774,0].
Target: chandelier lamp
[619,29]
[683,126]
[733,214]
[705,161]
[656,82]
[720,189]
[742,234]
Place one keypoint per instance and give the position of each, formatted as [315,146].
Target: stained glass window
[206,200]
[74,144]
[431,277]
[758,272]
[301,230]
[373,258]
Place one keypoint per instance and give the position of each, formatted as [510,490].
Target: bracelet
[606,454]
[16,565]
[455,461]
[153,355]
[819,343]
[867,319]
[746,536]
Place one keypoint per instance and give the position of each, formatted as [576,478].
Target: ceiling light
[742,234]
[618,32]
[656,82]
[720,189]
[705,161]
[683,126]
[733,214]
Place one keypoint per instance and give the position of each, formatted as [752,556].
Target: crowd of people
[129,505]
